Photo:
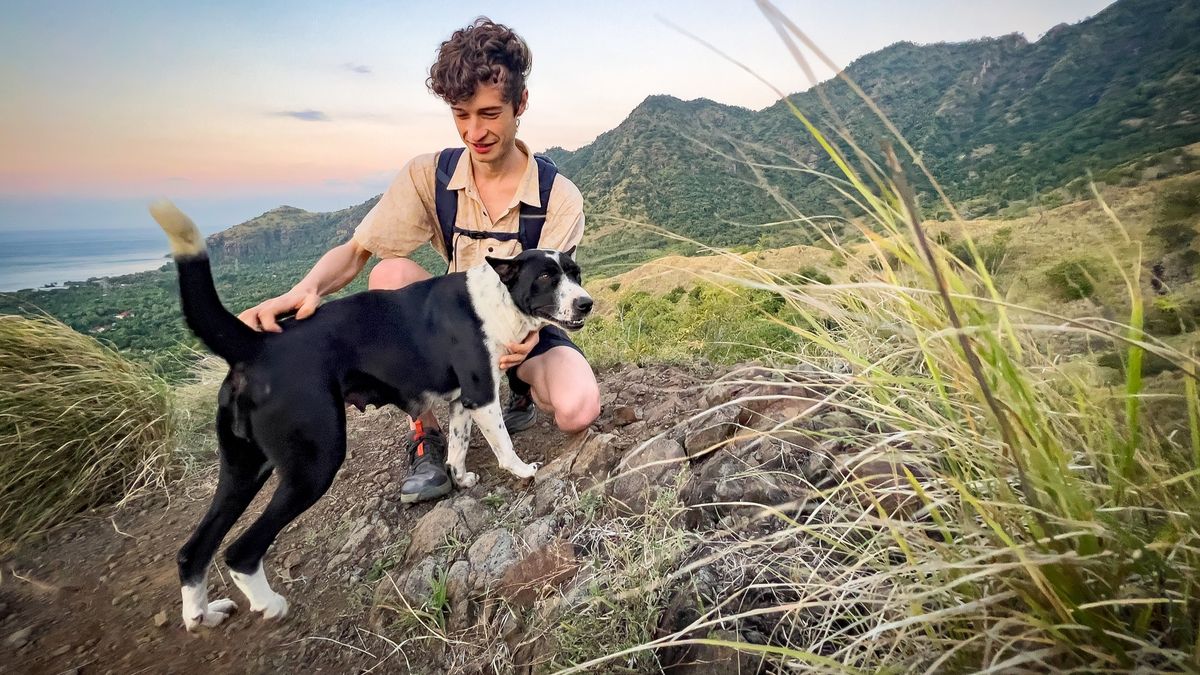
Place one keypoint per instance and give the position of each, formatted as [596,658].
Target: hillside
[1003,123]
[999,118]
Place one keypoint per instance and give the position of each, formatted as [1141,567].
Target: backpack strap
[445,200]
[533,218]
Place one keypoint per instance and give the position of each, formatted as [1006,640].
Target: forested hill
[998,118]
[1000,121]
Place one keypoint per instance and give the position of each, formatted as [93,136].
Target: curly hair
[483,53]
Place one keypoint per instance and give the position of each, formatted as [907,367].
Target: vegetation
[80,426]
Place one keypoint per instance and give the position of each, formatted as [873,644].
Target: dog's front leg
[491,422]
[460,437]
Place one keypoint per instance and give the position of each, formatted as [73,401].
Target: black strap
[532,219]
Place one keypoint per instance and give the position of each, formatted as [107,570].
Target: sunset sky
[233,108]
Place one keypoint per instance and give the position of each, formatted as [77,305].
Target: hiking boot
[427,477]
[520,413]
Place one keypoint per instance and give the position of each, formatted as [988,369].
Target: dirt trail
[101,595]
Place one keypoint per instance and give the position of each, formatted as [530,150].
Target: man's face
[487,124]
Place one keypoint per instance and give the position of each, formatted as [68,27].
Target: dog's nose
[583,305]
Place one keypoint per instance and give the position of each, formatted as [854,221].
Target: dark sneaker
[427,477]
[520,413]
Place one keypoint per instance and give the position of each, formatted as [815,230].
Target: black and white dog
[282,406]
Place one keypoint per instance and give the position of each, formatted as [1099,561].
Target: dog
[282,407]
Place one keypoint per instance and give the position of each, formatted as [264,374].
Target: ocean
[36,258]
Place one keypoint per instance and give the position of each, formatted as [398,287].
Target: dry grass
[80,426]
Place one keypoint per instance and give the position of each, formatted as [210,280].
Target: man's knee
[577,412]
[395,273]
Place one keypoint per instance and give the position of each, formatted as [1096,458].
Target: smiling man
[491,198]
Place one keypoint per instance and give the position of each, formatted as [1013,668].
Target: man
[480,73]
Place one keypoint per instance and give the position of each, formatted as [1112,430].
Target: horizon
[299,104]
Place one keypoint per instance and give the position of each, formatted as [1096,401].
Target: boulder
[542,570]
[490,556]
[645,471]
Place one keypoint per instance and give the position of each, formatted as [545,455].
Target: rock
[548,497]
[20,638]
[474,515]
[595,456]
[538,533]
[61,650]
[712,659]
[884,481]
[458,591]
[417,584]
[645,471]
[709,432]
[490,556]
[545,569]
[834,420]
[160,619]
[665,409]
[627,414]
[431,531]
[731,477]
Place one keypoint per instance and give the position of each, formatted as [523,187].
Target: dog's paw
[467,481]
[213,616]
[274,608]
[524,470]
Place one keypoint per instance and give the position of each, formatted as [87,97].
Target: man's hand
[262,317]
[517,351]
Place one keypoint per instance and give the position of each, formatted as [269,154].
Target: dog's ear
[505,267]
[570,254]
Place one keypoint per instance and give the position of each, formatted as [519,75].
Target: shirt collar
[528,191]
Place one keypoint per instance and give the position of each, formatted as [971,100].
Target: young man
[480,72]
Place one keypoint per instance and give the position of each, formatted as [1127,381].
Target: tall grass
[1057,529]
[80,426]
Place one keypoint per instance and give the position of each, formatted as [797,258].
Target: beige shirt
[405,217]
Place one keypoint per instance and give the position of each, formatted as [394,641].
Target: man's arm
[332,272]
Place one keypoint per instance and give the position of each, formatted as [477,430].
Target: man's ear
[570,254]
[506,268]
[523,103]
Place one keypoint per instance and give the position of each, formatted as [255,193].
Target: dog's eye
[544,276]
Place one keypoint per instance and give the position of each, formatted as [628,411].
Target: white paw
[217,612]
[524,470]
[275,608]
[468,480]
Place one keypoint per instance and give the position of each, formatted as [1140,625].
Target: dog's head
[545,284]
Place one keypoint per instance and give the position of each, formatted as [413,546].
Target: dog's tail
[216,326]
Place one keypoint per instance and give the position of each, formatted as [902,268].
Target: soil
[100,595]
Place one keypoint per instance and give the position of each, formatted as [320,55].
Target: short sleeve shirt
[405,216]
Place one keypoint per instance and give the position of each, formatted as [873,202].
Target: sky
[232,108]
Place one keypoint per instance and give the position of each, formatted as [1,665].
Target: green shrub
[1072,279]
[1176,235]
[1180,203]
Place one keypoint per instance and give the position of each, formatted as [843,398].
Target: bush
[80,426]
[1175,235]
[1181,203]
[1072,279]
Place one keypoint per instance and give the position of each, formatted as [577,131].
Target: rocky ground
[470,583]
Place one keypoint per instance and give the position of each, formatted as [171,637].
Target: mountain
[282,232]
[999,118]
[1001,122]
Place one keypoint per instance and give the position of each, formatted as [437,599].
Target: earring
[518,121]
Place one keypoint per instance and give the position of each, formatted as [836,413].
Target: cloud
[305,115]
[357,68]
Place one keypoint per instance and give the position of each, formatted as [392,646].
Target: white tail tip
[186,240]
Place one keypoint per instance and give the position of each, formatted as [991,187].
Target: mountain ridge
[1001,121]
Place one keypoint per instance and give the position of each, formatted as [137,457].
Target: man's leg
[563,385]
[427,478]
